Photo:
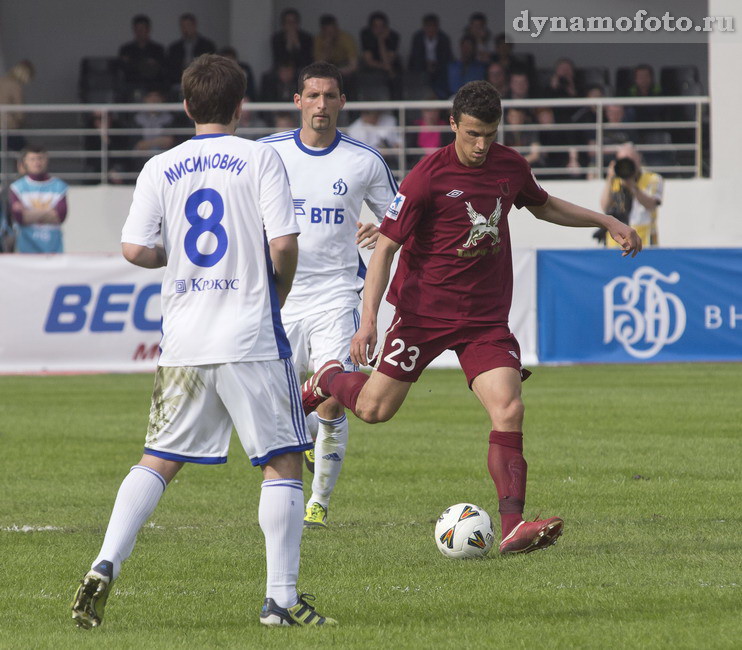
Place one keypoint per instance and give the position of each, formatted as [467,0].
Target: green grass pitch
[642,462]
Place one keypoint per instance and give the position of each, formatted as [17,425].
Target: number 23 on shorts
[408,360]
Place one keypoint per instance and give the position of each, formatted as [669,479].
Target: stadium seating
[100,79]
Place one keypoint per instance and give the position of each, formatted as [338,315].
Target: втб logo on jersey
[481,227]
[647,318]
[340,187]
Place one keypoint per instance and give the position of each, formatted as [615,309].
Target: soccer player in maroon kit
[453,289]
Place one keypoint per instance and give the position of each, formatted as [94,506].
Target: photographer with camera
[632,194]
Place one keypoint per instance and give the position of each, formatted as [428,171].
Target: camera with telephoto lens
[625,168]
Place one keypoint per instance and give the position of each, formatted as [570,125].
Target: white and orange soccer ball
[464,530]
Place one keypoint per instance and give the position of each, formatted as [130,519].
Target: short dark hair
[378,15]
[327,19]
[32,148]
[320,70]
[141,19]
[188,16]
[431,18]
[478,15]
[213,86]
[480,100]
[290,11]
[647,67]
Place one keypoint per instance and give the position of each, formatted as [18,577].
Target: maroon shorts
[412,342]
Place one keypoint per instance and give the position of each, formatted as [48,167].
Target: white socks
[329,453]
[281,517]
[136,500]
[313,424]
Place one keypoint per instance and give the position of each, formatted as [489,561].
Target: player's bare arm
[148,258]
[366,235]
[377,278]
[284,254]
[564,213]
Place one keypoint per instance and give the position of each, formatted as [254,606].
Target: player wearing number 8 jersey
[222,208]
[331,175]
[452,290]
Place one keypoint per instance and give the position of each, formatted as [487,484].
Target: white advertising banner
[78,313]
[98,313]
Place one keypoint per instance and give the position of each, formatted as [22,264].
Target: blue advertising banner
[662,305]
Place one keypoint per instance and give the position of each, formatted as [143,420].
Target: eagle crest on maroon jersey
[481,226]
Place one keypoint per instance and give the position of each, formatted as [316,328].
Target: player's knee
[375,412]
[509,415]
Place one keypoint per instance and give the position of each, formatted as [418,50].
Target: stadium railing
[681,151]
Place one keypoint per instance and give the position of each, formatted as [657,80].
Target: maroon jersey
[451,220]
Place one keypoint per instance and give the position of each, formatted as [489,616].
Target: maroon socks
[508,470]
[344,387]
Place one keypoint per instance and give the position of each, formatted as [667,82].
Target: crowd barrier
[97,313]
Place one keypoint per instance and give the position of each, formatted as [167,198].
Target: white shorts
[322,337]
[194,407]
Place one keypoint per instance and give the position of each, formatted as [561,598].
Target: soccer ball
[464,530]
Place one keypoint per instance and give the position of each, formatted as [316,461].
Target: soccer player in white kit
[222,206]
[331,175]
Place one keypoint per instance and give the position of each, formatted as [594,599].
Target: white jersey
[216,200]
[329,186]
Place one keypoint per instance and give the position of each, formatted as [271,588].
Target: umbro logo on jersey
[340,187]
[455,193]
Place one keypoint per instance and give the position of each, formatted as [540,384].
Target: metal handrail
[402,153]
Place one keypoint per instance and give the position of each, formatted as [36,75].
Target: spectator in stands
[250,90]
[477,29]
[285,121]
[154,124]
[520,88]
[563,85]
[632,194]
[291,42]
[466,68]
[279,84]
[431,53]
[191,45]
[566,158]
[644,86]
[142,60]
[433,134]
[380,52]
[588,115]
[38,204]
[11,92]
[251,120]
[379,130]
[114,142]
[336,46]
[510,61]
[497,75]
[615,129]
[525,141]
